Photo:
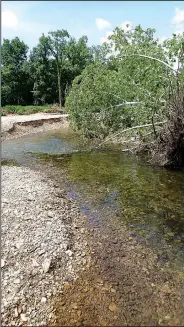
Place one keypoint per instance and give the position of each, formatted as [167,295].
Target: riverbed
[135,218]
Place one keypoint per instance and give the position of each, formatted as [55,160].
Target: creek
[109,184]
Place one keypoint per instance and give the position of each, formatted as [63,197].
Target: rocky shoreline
[41,246]
[56,270]
[59,270]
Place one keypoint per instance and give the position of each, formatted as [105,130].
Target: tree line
[45,74]
[95,83]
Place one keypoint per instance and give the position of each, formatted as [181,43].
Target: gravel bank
[41,247]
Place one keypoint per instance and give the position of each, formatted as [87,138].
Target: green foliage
[47,74]
[96,81]
[15,87]
[127,75]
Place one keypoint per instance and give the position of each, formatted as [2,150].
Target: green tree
[56,42]
[99,52]
[55,62]
[44,74]
[16,85]
[127,75]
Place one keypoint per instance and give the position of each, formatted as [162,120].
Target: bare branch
[129,129]
[152,58]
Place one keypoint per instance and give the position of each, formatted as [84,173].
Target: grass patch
[9,162]
[27,110]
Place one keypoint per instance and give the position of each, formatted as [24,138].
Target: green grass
[9,162]
[27,110]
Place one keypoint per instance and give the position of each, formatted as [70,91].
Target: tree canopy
[118,84]
[137,68]
[43,76]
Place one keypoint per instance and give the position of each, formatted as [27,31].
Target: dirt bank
[13,126]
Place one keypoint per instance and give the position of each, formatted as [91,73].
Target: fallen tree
[128,130]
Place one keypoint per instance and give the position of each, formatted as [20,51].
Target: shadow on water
[149,200]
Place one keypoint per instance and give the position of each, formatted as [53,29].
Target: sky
[95,19]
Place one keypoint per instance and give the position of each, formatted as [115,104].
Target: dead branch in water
[129,129]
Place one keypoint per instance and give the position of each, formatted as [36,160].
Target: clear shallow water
[149,200]
[49,142]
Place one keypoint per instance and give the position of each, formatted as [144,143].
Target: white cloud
[127,25]
[102,24]
[179,16]
[105,38]
[178,21]
[29,31]
[9,20]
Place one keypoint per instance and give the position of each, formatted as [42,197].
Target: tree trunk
[59,85]
[59,89]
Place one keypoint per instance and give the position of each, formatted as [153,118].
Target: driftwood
[129,129]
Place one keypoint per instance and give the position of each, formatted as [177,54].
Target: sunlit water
[149,200]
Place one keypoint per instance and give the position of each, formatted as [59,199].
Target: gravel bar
[41,247]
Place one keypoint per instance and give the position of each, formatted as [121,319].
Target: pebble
[19,244]
[50,214]
[74,306]
[67,286]
[69,252]
[43,300]
[113,307]
[2,263]
[46,265]
[16,312]
[20,308]
[23,317]
[35,263]
[30,198]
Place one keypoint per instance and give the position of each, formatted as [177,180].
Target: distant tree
[99,52]
[16,85]
[56,43]
[44,74]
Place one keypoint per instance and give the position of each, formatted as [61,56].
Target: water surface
[148,200]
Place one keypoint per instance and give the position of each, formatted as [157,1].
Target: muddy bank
[14,126]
